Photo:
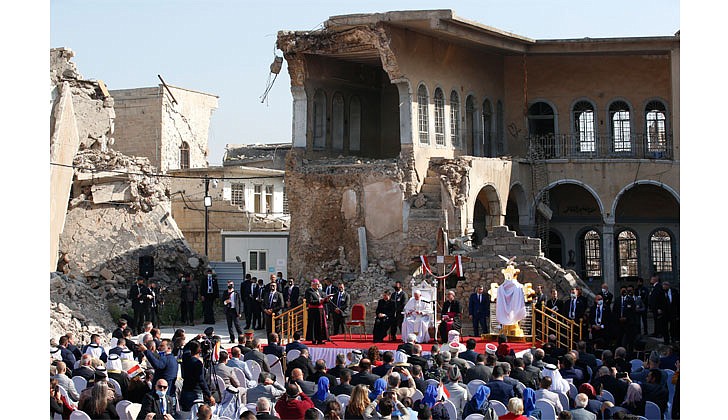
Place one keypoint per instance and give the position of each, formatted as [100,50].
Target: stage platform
[340,344]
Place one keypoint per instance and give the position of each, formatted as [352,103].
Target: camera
[621,375]
[388,395]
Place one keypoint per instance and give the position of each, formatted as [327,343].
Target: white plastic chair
[343,399]
[270,359]
[433,382]
[133,409]
[548,412]
[117,387]
[606,396]
[80,383]
[277,370]
[532,418]
[79,415]
[57,416]
[564,400]
[220,383]
[474,385]
[573,391]
[652,411]
[469,364]
[474,416]
[240,377]
[121,409]
[252,407]
[499,408]
[417,395]
[254,367]
[319,413]
[636,364]
[293,354]
[670,389]
[452,412]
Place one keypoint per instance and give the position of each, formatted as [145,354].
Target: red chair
[358,319]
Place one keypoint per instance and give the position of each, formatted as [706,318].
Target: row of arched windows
[482,133]
[339,112]
[541,117]
[660,249]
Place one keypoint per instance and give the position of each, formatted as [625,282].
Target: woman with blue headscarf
[432,401]
[529,403]
[479,404]
[379,386]
[322,395]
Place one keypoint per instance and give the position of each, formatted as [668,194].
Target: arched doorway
[516,209]
[556,248]
[542,127]
[486,213]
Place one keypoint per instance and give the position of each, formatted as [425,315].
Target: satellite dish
[194,262]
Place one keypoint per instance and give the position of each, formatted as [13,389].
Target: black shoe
[232,341]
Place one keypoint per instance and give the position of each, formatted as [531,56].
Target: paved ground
[220,329]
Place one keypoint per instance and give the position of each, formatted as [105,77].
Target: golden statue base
[513,332]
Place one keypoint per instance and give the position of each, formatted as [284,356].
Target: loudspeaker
[146,266]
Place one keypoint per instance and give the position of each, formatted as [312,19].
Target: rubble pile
[80,307]
[454,175]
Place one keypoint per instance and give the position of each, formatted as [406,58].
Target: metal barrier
[548,321]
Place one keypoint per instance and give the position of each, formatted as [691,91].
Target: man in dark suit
[365,375]
[576,306]
[257,355]
[140,295]
[291,293]
[339,307]
[671,305]
[656,304]
[303,363]
[654,390]
[409,346]
[606,295]
[273,347]
[383,369]
[624,313]
[319,370]
[165,366]
[272,305]
[479,311]
[527,378]
[644,294]
[600,318]
[309,388]
[499,389]
[247,290]
[188,298]
[399,297]
[296,344]
[340,367]
[344,387]
[209,291]
[158,402]
[469,353]
[383,318]
[479,371]
[417,359]
[258,306]
[233,305]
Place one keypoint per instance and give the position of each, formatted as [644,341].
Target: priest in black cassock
[451,316]
[316,332]
[383,318]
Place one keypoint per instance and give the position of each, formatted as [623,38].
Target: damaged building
[405,122]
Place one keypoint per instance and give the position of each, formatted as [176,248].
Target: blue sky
[226,47]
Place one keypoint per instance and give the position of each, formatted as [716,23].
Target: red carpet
[356,342]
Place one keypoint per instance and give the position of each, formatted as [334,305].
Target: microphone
[426,301]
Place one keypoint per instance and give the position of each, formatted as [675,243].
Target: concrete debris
[454,174]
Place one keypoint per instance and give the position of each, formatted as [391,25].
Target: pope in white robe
[510,305]
[417,318]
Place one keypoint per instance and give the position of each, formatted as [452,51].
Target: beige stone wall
[137,129]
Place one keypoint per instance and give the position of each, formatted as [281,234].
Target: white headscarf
[558,384]
[113,363]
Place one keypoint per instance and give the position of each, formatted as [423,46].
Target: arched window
[501,147]
[592,252]
[487,129]
[337,123]
[454,119]
[584,127]
[423,121]
[661,251]
[354,124]
[621,129]
[439,100]
[184,155]
[655,129]
[470,128]
[627,254]
[319,120]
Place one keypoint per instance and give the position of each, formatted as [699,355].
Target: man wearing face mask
[624,312]
[606,295]
[233,304]
[157,403]
[575,307]
[188,298]
[165,366]
[600,317]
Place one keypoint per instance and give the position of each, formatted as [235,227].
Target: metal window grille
[184,155]
[656,127]
[422,117]
[258,199]
[592,254]
[237,194]
[661,248]
[439,100]
[619,115]
[454,119]
[584,126]
[628,254]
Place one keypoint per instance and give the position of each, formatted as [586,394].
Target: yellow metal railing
[548,321]
[290,321]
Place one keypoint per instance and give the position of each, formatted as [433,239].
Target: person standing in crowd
[384,316]
[188,298]
[209,292]
[316,331]
[155,302]
[400,298]
[479,311]
[258,306]
[600,319]
[671,305]
[233,304]
[339,309]
[247,292]
[656,298]
[140,295]
[643,293]
[272,306]
[291,294]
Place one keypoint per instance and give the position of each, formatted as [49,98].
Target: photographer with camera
[386,402]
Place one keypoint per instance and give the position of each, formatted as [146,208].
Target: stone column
[300,113]
[405,110]
[608,247]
